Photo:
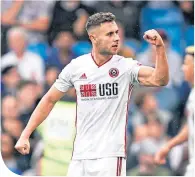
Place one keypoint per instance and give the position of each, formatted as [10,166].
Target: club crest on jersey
[113,72]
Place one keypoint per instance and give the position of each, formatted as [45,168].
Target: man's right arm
[9,16]
[180,138]
[42,110]
[38,116]
[160,157]
[57,91]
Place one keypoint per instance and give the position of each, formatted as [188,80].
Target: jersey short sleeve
[133,70]
[63,83]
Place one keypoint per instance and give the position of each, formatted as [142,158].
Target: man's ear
[92,38]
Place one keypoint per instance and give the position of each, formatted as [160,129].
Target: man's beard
[106,52]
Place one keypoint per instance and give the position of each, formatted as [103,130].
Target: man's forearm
[161,72]
[180,138]
[39,115]
[10,14]
[36,25]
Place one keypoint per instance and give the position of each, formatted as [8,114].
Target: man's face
[10,103]
[6,146]
[64,40]
[188,68]
[17,43]
[12,78]
[51,75]
[14,127]
[150,104]
[28,95]
[106,38]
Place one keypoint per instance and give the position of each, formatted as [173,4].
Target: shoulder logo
[83,76]
[113,72]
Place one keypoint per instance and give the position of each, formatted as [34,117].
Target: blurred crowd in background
[39,38]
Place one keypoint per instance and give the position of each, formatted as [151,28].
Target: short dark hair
[24,83]
[6,69]
[98,18]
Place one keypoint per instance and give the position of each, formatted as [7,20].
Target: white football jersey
[190,119]
[103,93]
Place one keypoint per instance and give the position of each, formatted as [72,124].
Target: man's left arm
[40,24]
[158,76]
[42,21]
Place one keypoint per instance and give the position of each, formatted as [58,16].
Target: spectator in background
[140,133]
[148,107]
[27,97]
[9,12]
[50,77]
[10,103]
[13,121]
[61,53]
[174,60]
[146,166]
[11,116]
[152,128]
[69,16]
[187,8]
[156,130]
[7,152]
[124,50]
[127,13]
[10,80]
[13,127]
[30,65]
[161,4]
[89,3]
[32,15]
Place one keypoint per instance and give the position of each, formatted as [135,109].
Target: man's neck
[99,58]
[20,55]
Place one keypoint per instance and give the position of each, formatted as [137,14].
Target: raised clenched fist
[152,37]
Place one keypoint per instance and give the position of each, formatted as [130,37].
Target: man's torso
[102,100]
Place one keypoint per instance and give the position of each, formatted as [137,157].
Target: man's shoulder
[81,60]
[118,57]
[122,57]
[124,60]
[33,55]
[8,59]
[7,55]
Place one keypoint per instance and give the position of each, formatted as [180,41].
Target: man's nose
[116,37]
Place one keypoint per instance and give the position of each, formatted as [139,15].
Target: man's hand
[23,146]
[160,156]
[152,37]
